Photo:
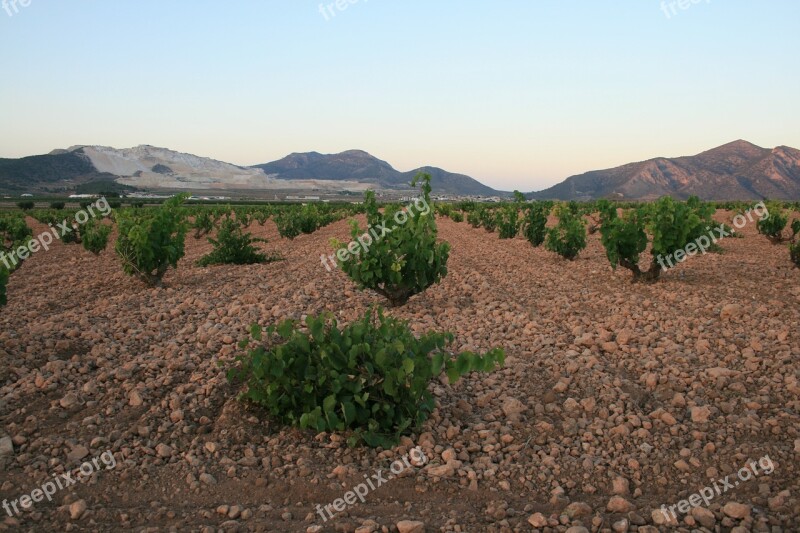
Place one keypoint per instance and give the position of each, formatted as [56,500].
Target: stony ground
[616,398]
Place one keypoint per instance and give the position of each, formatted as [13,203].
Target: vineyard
[234,373]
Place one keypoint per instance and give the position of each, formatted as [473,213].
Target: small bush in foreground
[94,236]
[457,216]
[370,377]
[233,246]
[568,238]
[151,241]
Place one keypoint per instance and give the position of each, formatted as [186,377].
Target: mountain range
[152,168]
[735,171]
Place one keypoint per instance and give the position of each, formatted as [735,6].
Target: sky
[519,94]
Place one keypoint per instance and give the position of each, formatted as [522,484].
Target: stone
[700,414]
[537,520]
[736,510]
[409,526]
[77,509]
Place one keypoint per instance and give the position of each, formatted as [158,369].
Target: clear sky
[517,93]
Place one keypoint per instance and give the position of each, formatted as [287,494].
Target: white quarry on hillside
[152,167]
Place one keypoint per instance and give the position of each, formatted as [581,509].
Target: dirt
[605,374]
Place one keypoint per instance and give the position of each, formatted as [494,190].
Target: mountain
[735,171]
[361,166]
[150,167]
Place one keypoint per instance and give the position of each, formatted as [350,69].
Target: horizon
[520,96]
[526,191]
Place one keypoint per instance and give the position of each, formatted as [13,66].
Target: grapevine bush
[407,259]
[202,224]
[151,241]
[508,221]
[534,223]
[233,246]
[568,238]
[669,225]
[370,377]
[772,225]
[94,236]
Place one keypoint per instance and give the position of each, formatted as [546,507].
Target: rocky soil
[616,398]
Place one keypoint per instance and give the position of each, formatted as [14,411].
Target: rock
[620,486]
[513,408]
[618,504]
[736,510]
[621,526]
[408,526]
[6,447]
[537,520]
[208,479]
[135,399]
[440,470]
[663,517]
[163,450]
[77,509]
[577,510]
[77,453]
[705,517]
[730,311]
[700,414]
[577,529]
[68,401]
[668,419]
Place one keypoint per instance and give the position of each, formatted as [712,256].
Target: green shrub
[457,216]
[26,205]
[407,259]
[14,232]
[534,224]
[57,205]
[508,221]
[94,236]
[151,241]
[203,224]
[568,238]
[671,227]
[114,204]
[772,225]
[489,220]
[233,246]
[474,217]
[371,377]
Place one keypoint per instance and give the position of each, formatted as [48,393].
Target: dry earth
[616,398]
